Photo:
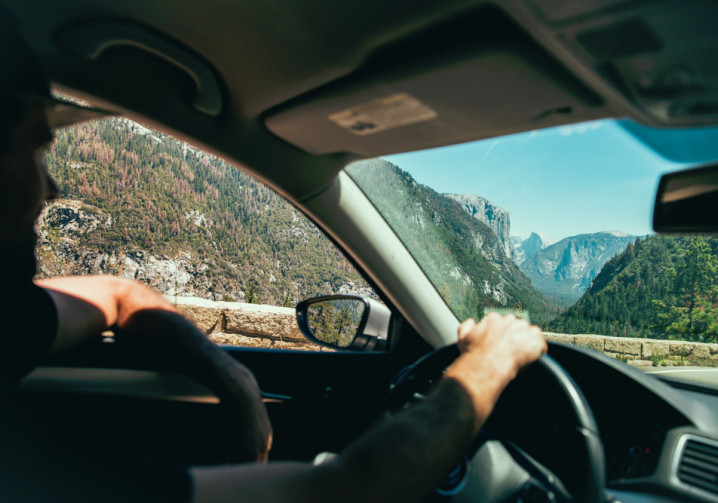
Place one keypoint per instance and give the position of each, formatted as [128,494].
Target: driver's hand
[509,341]
[493,351]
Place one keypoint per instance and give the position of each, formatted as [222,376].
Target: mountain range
[140,204]
[451,240]
[527,248]
[660,287]
[565,270]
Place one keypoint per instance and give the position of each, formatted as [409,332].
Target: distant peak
[618,234]
[541,237]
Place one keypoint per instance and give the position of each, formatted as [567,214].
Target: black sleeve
[28,327]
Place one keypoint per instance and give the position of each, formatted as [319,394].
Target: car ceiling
[276,86]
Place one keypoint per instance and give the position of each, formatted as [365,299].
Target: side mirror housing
[687,201]
[348,322]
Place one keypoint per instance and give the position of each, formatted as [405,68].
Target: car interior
[291,92]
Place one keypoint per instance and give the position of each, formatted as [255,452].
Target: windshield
[554,225]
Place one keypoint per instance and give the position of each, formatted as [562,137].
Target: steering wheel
[527,459]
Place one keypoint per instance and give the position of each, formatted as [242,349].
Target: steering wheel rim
[428,369]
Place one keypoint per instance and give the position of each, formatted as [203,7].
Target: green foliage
[165,198]
[659,287]
[250,295]
[667,361]
[287,302]
[690,312]
[227,298]
[335,322]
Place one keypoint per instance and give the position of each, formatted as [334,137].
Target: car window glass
[223,247]
[553,226]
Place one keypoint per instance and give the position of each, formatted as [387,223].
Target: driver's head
[25,134]
[21,80]
[28,114]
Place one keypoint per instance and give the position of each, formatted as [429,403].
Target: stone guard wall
[254,325]
[645,352]
[239,324]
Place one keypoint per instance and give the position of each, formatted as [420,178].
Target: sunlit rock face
[527,248]
[497,218]
[62,251]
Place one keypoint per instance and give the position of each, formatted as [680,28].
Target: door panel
[317,401]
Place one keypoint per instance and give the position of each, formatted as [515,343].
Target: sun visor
[495,92]
[474,76]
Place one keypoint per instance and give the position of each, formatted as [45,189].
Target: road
[703,375]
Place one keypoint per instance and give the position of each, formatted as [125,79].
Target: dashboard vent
[698,466]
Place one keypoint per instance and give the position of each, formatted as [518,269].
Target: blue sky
[559,182]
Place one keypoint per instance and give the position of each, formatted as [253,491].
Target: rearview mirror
[349,322]
[687,201]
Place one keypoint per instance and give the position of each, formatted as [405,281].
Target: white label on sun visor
[382,114]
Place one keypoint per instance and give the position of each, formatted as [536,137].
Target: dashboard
[633,447]
[660,438]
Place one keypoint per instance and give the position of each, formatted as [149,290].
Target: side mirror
[350,322]
[687,201]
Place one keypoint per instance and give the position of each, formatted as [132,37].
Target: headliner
[277,70]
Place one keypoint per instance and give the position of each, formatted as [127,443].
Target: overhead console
[657,56]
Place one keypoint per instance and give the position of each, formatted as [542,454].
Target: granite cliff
[496,218]
[529,247]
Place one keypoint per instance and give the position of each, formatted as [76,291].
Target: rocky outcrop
[73,218]
[69,244]
[498,219]
[65,225]
[529,247]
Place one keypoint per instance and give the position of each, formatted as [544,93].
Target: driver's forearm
[402,459]
[484,378]
[429,438]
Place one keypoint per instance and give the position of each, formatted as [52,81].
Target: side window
[226,249]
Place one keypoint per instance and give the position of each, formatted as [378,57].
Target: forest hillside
[140,204]
[461,254]
[659,287]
